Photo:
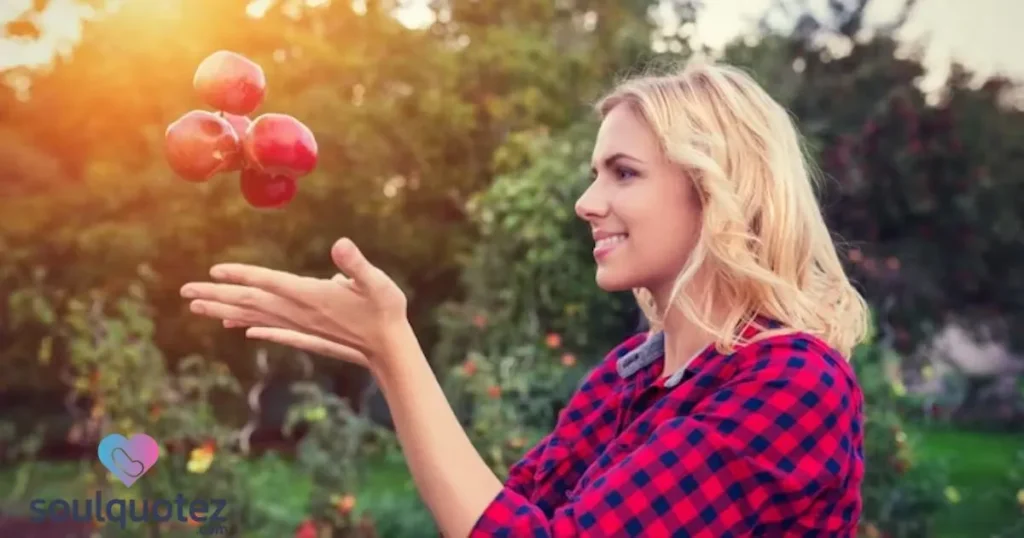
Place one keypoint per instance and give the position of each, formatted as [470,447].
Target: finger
[238,324]
[341,279]
[277,282]
[235,314]
[350,260]
[244,296]
[307,342]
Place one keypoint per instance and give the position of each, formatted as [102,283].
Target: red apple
[280,144]
[264,190]
[230,82]
[240,124]
[201,144]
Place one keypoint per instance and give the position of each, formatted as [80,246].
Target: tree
[924,193]
[409,122]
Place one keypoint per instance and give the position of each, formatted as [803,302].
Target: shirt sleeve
[521,473]
[750,458]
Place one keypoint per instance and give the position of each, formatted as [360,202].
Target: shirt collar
[653,348]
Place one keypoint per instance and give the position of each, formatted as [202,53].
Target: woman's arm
[451,476]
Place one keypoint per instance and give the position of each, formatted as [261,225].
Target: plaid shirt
[766,441]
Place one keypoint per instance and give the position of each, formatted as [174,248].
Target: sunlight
[415,15]
[60,25]
[258,8]
[975,42]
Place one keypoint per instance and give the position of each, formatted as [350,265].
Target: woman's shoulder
[792,370]
[793,350]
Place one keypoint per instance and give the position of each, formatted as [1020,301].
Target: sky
[983,34]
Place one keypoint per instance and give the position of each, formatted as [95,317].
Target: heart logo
[128,459]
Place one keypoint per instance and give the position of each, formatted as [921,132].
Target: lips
[606,243]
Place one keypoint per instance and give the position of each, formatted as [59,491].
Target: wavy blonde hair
[764,244]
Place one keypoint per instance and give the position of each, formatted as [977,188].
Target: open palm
[348,317]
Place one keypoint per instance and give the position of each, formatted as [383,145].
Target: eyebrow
[610,160]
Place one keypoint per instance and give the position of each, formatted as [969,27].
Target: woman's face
[642,209]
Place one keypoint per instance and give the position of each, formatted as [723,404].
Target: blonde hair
[764,243]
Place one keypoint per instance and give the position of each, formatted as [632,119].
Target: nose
[591,205]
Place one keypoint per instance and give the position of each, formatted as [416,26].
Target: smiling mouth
[608,241]
[605,245]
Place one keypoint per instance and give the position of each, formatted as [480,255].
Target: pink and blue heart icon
[128,459]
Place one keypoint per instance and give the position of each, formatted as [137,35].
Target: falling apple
[230,82]
[270,153]
[240,124]
[280,144]
[266,191]
[200,144]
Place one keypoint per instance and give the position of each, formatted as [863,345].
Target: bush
[334,453]
[533,320]
[901,495]
[1016,492]
[103,344]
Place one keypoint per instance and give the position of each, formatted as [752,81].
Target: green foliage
[453,155]
[408,122]
[115,365]
[902,494]
[334,452]
[1017,497]
[533,318]
[1016,490]
[532,272]
[925,189]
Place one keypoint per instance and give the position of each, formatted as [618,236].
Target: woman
[737,414]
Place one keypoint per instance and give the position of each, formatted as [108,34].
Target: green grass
[978,465]
[276,484]
[275,476]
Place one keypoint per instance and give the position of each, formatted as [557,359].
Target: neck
[684,339]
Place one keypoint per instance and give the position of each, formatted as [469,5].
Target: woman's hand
[350,316]
[304,341]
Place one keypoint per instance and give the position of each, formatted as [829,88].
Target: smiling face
[642,208]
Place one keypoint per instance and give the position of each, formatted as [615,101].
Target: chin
[610,281]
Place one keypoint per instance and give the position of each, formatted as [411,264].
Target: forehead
[625,131]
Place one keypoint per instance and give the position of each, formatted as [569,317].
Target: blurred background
[454,137]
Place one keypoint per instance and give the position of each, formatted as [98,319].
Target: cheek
[666,231]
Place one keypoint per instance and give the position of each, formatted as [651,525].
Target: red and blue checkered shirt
[763,442]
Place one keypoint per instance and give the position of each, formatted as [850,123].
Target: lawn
[388,492]
[977,462]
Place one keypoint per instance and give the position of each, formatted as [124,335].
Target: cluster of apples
[269,153]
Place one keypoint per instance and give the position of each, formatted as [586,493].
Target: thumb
[350,260]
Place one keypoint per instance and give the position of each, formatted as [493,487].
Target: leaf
[46,350]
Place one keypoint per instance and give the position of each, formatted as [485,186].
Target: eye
[625,172]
